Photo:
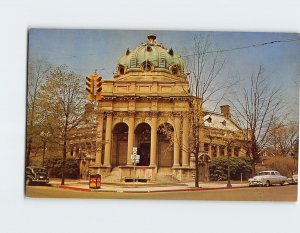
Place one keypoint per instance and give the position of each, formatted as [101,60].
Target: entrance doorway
[165,134]
[119,145]
[144,152]
[143,141]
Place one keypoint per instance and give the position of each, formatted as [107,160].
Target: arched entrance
[119,145]
[143,142]
[165,135]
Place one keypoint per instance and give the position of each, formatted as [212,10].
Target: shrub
[218,168]
[54,166]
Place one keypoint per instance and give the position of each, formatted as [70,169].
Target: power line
[237,48]
[206,52]
[246,47]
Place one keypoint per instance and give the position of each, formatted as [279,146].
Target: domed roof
[149,56]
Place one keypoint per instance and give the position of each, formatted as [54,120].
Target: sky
[86,50]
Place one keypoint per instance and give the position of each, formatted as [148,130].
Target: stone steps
[166,178]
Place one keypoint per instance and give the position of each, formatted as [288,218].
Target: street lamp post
[44,137]
[228,158]
[44,152]
[228,172]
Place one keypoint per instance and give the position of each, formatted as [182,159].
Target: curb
[147,191]
[196,189]
[74,188]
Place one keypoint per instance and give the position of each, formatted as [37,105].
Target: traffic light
[90,87]
[99,88]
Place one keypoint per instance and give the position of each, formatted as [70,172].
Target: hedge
[218,168]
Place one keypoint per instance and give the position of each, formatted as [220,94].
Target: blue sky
[86,50]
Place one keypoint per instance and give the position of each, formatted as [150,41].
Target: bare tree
[62,104]
[282,138]
[37,72]
[256,109]
[204,68]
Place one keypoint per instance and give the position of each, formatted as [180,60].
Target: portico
[124,130]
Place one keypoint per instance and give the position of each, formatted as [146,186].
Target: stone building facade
[149,92]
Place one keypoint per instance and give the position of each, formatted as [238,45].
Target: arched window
[147,66]
[121,70]
[149,49]
[175,69]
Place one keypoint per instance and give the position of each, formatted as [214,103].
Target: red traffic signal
[90,87]
[99,88]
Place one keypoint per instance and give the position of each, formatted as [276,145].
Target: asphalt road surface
[274,193]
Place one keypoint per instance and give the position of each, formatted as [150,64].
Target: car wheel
[28,181]
[268,184]
[282,183]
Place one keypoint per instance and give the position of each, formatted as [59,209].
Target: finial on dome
[151,38]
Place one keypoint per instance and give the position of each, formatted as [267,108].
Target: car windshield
[39,170]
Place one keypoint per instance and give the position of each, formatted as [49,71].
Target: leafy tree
[37,73]
[61,102]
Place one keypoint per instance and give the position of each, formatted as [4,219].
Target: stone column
[218,151]
[99,140]
[130,137]
[232,151]
[108,132]
[185,154]
[176,141]
[238,151]
[153,155]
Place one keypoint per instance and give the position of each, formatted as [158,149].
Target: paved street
[275,193]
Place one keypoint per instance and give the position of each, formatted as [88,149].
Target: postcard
[166,115]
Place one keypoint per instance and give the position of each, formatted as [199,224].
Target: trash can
[95,181]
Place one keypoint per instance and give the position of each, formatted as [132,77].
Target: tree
[256,109]
[204,68]
[285,165]
[282,138]
[37,72]
[62,101]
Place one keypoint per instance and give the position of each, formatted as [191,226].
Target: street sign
[135,159]
[135,156]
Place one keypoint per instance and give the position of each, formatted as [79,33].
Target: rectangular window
[206,147]
[228,151]
[222,150]
[236,151]
[214,150]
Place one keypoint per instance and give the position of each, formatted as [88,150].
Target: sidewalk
[82,185]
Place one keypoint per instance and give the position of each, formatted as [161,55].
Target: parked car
[36,175]
[293,180]
[267,178]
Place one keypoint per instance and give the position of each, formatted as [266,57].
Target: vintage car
[38,175]
[267,178]
[293,180]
